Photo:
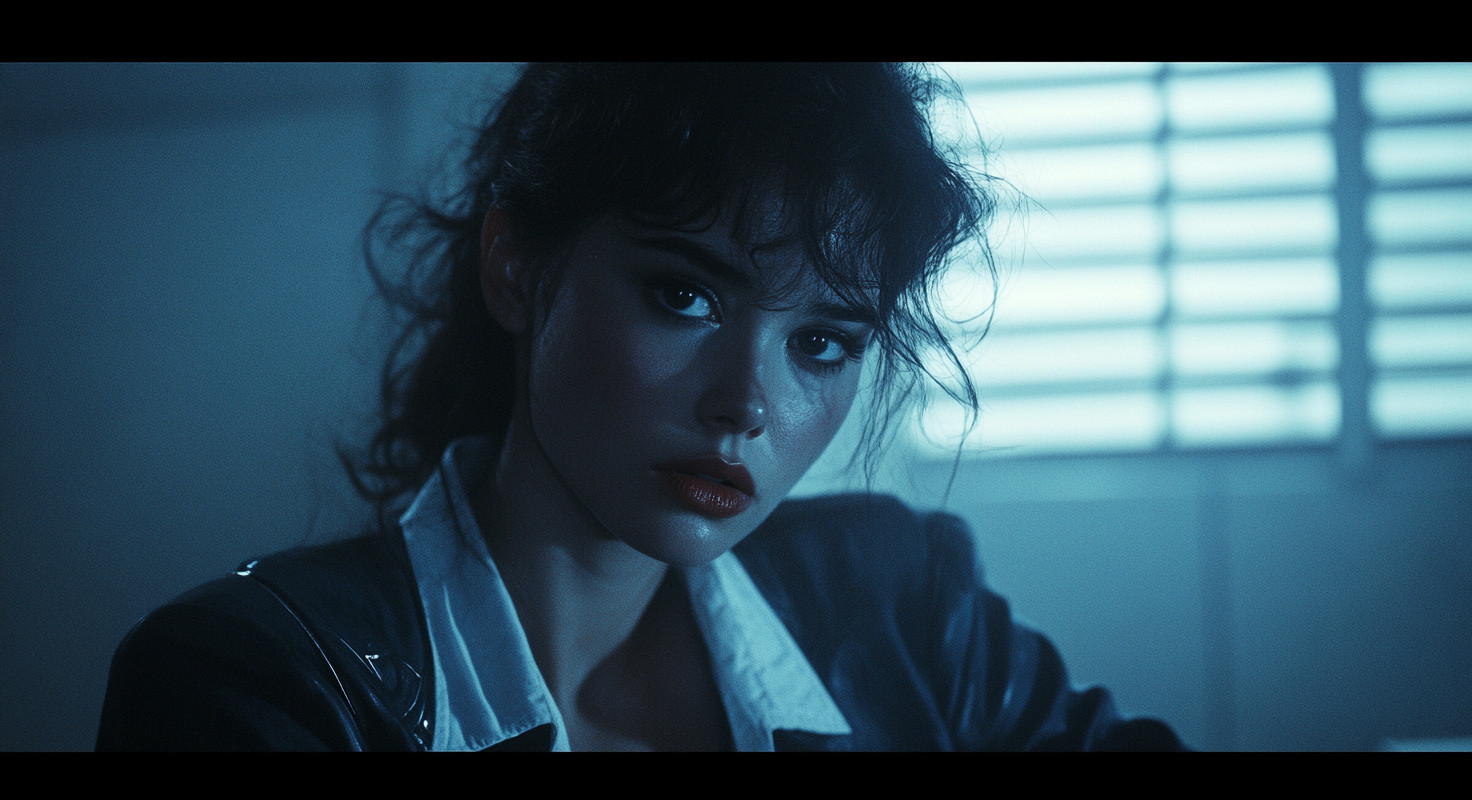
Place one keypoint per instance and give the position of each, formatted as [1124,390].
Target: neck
[579,592]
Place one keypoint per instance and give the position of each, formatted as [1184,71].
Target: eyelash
[659,288]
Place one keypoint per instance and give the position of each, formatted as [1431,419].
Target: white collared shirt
[487,685]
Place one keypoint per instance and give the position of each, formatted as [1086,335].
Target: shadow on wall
[182,334]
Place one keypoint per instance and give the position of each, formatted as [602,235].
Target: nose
[735,402]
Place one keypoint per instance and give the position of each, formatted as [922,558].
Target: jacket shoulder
[861,537]
[361,589]
[357,601]
[313,648]
[890,606]
[862,560]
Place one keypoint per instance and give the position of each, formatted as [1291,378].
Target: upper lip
[715,466]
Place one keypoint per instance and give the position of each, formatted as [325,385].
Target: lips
[709,485]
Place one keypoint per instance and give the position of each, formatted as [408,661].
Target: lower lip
[705,496]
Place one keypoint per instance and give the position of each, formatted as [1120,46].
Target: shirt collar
[766,682]
[487,685]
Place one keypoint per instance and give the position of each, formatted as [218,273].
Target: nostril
[734,408]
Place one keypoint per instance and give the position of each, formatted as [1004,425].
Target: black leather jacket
[324,648]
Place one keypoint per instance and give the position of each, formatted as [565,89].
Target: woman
[643,320]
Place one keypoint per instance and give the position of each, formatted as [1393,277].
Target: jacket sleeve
[1004,684]
[223,668]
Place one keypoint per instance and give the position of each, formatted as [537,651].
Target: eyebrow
[702,257]
[708,260]
[845,313]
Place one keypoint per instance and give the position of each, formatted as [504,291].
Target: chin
[691,544]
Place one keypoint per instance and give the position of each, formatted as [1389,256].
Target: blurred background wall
[185,328]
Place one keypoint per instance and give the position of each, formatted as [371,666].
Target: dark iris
[813,344]
[679,299]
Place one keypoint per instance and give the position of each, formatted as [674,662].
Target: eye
[827,348]
[685,300]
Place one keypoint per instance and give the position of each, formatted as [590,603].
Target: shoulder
[887,604]
[860,535]
[362,587]
[311,648]
[861,556]
[282,593]
[360,590]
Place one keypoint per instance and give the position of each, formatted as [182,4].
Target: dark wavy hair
[878,204]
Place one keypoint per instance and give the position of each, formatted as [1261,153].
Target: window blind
[1177,276]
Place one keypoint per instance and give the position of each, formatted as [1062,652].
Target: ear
[502,276]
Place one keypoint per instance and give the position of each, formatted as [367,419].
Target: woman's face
[681,381]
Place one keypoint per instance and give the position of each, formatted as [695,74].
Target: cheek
[811,415]
[600,362]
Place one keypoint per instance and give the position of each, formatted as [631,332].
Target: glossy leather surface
[313,649]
